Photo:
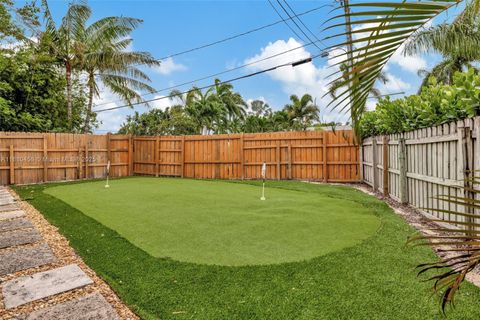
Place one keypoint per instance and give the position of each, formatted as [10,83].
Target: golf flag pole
[264,172]
[108,174]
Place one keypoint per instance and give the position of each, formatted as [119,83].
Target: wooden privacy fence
[311,155]
[414,167]
[42,157]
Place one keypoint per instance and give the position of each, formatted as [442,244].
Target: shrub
[436,104]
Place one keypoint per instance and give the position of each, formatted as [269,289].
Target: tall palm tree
[232,101]
[104,57]
[64,40]
[458,42]
[203,107]
[302,111]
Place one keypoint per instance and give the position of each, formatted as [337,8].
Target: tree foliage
[436,104]
[220,109]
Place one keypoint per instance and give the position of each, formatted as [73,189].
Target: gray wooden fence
[414,167]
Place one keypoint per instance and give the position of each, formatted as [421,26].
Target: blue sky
[173,26]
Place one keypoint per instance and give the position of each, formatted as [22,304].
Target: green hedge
[436,104]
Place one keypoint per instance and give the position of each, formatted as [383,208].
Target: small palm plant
[456,241]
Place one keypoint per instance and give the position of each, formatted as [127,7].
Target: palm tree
[64,40]
[232,101]
[335,85]
[458,43]
[104,58]
[302,111]
[203,107]
[260,108]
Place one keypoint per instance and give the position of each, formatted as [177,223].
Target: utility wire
[240,34]
[296,24]
[301,21]
[218,73]
[293,64]
[285,21]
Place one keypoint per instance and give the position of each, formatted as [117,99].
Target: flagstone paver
[16,229]
[7,215]
[19,237]
[8,207]
[14,224]
[40,285]
[93,306]
[24,258]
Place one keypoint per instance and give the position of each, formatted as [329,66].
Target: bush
[436,104]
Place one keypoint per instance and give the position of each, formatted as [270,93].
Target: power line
[240,34]
[293,64]
[285,21]
[219,73]
[301,21]
[296,24]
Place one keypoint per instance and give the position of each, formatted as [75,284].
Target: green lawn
[214,222]
[361,270]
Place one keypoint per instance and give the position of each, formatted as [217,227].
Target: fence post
[130,155]
[86,159]
[289,155]
[279,172]
[467,146]
[360,160]
[182,158]
[374,164]
[12,164]
[155,155]
[79,163]
[242,174]
[476,157]
[108,147]
[402,167]
[325,162]
[45,159]
[385,167]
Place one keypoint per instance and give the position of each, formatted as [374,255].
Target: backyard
[196,249]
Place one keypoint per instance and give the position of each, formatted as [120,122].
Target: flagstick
[263,190]
[264,172]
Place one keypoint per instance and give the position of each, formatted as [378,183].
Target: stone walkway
[41,282]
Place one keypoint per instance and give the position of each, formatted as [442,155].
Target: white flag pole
[264,172]
[108,174]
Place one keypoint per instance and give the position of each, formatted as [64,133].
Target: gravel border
[65,256]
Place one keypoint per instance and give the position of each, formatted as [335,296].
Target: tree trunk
[91,89]
[68,73]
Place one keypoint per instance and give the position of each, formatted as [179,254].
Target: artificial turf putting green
[214,222]
[374,279]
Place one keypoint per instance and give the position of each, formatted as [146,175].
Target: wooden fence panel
[288,155]
[313,155]
[27,158]
[427,162]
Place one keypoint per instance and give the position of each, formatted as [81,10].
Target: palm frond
[458,240]
[393,23]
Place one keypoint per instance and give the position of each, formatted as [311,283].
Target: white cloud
[110,121]
[411,63]
[168,66]
[306,78]
[393,85]
[163,103]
